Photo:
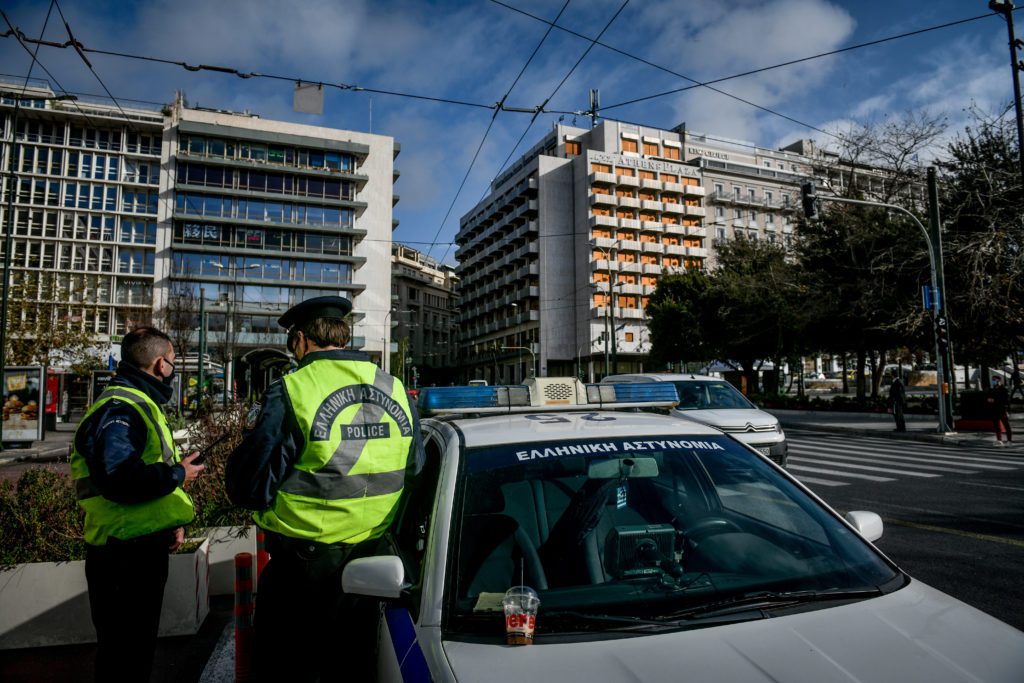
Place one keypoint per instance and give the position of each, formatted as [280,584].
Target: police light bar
[489,399]
[545,394]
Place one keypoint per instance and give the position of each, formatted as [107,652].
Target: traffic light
[809,196]
[942,334]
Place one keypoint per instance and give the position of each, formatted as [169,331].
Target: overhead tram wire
[500,105]
[9,208]
[590,47]
[77,45]
[22,40]
[849,48]
[708,84]
[244,75]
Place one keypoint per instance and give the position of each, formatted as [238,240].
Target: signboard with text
[22,397]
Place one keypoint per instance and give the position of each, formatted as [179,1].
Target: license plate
[767,450]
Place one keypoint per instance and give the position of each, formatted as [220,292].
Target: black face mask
[169,379]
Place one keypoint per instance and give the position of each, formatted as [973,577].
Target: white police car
[661,550]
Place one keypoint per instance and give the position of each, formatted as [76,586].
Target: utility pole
[595,105]
[947,381]
[1005,7]
[810,204]
[202,348]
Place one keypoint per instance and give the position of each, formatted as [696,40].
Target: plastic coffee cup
[520,603]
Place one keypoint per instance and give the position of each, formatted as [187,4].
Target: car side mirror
[868,524]
[381,577]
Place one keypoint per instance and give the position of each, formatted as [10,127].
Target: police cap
[317,307]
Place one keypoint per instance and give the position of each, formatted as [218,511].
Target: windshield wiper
[614,622]
[767,600]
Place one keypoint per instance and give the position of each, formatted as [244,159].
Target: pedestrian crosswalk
[825,460]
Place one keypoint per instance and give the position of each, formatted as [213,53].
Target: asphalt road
[954,516]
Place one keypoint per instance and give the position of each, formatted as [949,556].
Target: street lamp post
[519,358]
[229,342]
[386,352]
[609,324]
[1006,9]
[944,417]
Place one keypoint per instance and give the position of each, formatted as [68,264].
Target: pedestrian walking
[999,402]
[1016,384]
[898,402]
[130,479]
[336,414]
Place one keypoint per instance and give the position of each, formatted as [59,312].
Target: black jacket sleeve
[270,447]
[112,444]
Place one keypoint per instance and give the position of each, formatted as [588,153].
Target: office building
[261,215]
[424,304]
[557,263]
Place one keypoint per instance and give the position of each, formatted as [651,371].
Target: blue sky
[473,50]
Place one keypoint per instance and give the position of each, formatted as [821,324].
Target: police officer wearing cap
[323,462]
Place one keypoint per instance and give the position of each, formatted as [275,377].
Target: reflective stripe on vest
[84,488]
[358,429]
[105,518]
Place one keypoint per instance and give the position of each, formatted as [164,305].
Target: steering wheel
[708,526]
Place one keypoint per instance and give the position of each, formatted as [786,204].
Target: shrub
[40,520]
[218,431]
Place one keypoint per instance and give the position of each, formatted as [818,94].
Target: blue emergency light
[536,395]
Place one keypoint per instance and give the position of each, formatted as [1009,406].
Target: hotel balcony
[631,202]
[603,200]
[650,205]
[695,211]
[604,221]
[653,248]
[629,223]
[603,178]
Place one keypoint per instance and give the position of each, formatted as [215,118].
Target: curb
[951,439]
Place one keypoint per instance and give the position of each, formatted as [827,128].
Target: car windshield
[710,395]
[634,528]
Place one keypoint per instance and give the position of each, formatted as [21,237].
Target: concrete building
[260,215]
[557,263]
[84,208]
[424,304]
[122,216]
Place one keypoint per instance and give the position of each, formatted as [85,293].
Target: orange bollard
[262,556]
[244,609]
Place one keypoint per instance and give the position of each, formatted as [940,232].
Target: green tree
[677,318]
[44,329]
[754,306]
[981,203]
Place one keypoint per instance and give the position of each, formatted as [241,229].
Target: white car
[715,402]
[661,550]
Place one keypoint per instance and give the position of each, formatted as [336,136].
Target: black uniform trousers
[126,591]
[307,629]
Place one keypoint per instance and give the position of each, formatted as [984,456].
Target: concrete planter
[225,543]
[47,603]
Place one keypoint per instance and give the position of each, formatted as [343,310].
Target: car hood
[729,417]
[914,634]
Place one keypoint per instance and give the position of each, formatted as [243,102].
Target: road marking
[869,468]
[954,532]
[822,482]
[819,470]
[917,462]
[931,456]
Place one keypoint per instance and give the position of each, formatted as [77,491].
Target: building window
[671,153]
[629,145]
[572,148]
[651,149]
[719,212]
[752,194]
[719,190]
[600,168]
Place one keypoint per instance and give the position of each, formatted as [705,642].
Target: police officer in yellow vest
[129,478]
[323,461]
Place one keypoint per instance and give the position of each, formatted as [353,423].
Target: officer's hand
[179,538]
[191,471]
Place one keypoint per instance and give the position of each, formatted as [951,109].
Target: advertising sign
[22,396]
[100,380]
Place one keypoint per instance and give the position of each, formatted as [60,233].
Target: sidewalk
[919,427]
[54,446]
